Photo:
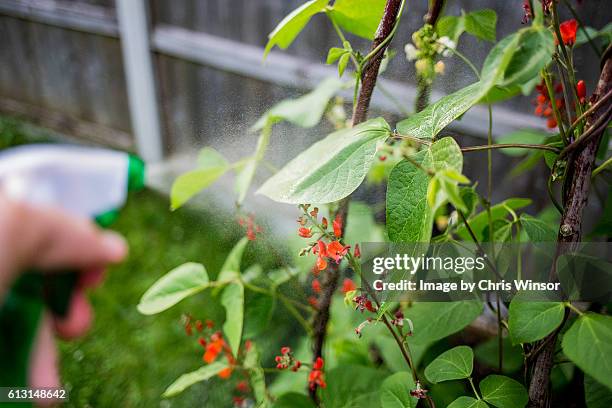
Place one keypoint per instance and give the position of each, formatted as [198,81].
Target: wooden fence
[165,76]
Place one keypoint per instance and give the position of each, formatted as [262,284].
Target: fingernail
[115,245]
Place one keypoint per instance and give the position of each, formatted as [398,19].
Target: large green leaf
[330,169]
[231,267]
[187,380]
[468,402]
[503,392]
[453,364]
[481,24]
[360,17]
[431,120]
[288,29]
[352,386]
[588,343]
[435,320]
[409,216]
[531,321]
[537,230]
[305,111]
[596,394]
[232,299]
[181,282]
[211,166]
[395,391]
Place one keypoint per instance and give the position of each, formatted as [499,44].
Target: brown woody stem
[329,282]
[581,160]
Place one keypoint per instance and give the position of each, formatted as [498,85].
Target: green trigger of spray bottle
[82,181]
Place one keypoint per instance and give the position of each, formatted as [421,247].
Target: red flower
[324,223]
[357,252]
[225,373]
[362,303]
[316,286]
[527,9]
[243,386]
[315,378]
[202,342]
[305,232]
[313,301]
[210,324]
[321,263]
[337,224]
[568,31]
[285,350]
[199,326]
[336,250]
[286,360]
[348,286]
[212,350]
[551,123]
[320,248]
[581,91]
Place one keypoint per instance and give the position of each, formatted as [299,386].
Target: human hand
[50,240]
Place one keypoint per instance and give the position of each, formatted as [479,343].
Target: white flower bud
[411,52]
[439,68]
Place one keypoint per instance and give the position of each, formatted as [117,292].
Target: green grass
[128,359]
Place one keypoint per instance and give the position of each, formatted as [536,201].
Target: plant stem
[388,25]
[551,96]
[580,166]
[509,146]
[473,387]
[602,167]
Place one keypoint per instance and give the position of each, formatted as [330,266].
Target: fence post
[142,95]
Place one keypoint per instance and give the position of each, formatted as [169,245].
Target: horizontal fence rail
[243,59]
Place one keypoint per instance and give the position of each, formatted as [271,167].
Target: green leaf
[521,136]
[293,400]
[435,320]
[352,386]
[605,32]
[503,392]
[531,321]
[305,111]
[256,376]
[409,216]
[359,17]
[334,54]
[211,166]
[232,299]
[330,169]
[537,230]
[430,121]
[209,157]
[258,312]
[479,222]
[468,402]
[451,27]
[481,24]
[453,364]
[187,380]
[181,282]
[395,391]
[588,343]
[289,28]
[596,394]
[231,267]
[342,63]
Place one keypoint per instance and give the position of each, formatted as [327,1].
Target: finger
[47,239]
[43,360]
[78,320]
[92,278]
